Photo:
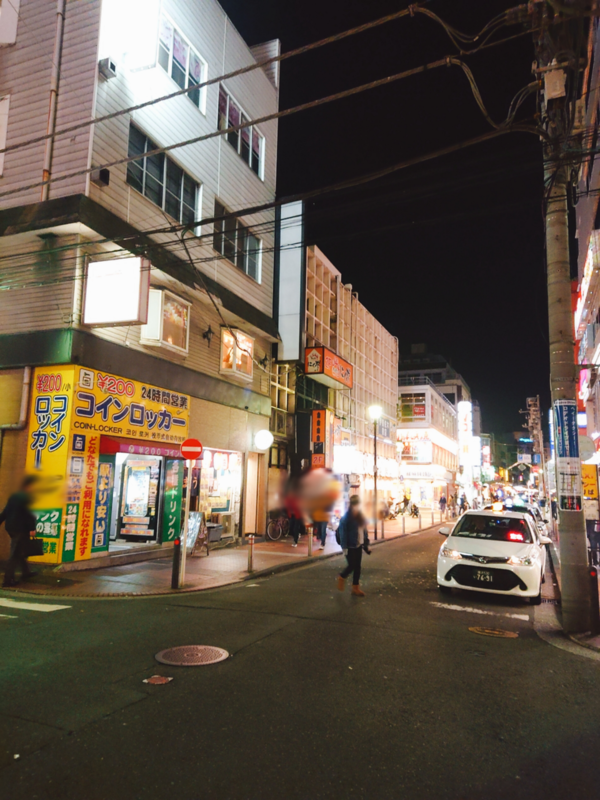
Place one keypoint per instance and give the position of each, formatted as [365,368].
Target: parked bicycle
[277,527]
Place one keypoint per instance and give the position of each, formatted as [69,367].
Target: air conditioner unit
[108,68]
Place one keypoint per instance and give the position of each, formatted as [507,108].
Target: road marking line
[30,606]
[480,611]
[7,616]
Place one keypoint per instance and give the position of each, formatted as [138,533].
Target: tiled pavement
[220,568]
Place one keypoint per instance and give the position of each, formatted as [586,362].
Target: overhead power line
[457,37]
[447,61]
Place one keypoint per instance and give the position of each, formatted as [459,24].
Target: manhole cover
[192,655]
[498,633]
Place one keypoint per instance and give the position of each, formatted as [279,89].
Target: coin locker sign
[71,408]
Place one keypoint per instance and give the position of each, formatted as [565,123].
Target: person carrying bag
[353,538]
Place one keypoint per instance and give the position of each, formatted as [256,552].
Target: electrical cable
[413,9]
[447,61]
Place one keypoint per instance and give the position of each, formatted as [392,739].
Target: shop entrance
[137,518]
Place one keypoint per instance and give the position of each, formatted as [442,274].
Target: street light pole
[375,474]
[375,413]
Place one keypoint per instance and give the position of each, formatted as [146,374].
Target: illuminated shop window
[248,142]
[179,60]
[168,322]
[237,352]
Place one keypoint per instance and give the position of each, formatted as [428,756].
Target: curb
[309,561]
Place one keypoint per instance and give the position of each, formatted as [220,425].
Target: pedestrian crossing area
[22,605]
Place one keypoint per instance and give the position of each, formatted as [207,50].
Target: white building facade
[108,267]
[427,442]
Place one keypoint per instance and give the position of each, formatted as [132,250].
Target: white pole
[186,516]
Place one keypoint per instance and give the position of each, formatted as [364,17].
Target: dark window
[237,243]
[247,141]
[160,179]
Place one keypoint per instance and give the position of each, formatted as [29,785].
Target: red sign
[323,362]
[191,449]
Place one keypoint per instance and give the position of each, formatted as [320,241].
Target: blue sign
[566,433]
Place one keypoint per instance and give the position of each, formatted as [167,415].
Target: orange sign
[319,361]
[318,426]
[317,460]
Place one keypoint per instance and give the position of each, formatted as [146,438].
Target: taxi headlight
[448,553]
[520,562]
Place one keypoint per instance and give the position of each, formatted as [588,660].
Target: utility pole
[559,74]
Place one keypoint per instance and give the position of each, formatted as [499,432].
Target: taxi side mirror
[445,531]
[545,540]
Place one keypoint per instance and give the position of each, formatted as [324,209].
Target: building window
[248,142]
[237,353]
[168,321]
[237,243]
[412,407]
[161,180]
[179,60]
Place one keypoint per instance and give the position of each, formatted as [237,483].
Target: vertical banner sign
[568,465]
[47,452]
[102,510]
[171,526]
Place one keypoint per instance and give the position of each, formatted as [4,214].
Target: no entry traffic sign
[191,449]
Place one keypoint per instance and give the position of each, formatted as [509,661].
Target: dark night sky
[449,253]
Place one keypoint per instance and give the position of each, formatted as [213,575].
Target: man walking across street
[353,540]
[20,522]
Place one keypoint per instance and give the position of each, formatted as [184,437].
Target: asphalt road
[325,696]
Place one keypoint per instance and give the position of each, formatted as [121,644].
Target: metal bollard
[251,554]
[432,518]
[176,562]
[382,530]
[595,605]
[403,524]
[419,520]
[310,541]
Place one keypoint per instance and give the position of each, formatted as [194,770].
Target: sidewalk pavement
[220,568]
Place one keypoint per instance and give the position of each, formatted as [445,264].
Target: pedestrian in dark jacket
[20,523]
[353,540]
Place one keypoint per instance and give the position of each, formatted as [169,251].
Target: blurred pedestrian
[443,503]
[354,538]
[321,527]
[295,516]
[19,522]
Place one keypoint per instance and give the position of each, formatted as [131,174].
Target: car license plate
[484,575]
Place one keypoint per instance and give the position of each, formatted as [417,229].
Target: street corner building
[127,322]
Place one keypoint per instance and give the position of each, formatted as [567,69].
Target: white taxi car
[499,552]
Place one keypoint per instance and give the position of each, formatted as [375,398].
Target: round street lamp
[375,413]
[263,440]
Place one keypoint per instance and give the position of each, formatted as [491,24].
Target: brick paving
[220,568]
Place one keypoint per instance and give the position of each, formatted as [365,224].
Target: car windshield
[499,529]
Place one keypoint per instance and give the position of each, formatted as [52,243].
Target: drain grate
[551,600]
[192,655]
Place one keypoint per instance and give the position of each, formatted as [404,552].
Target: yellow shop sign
[71,408]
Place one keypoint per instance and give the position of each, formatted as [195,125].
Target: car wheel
[444,589]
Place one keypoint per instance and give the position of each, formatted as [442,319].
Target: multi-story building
[128,322]
[419,363]
[334,358]
[587,210]
[427,442]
